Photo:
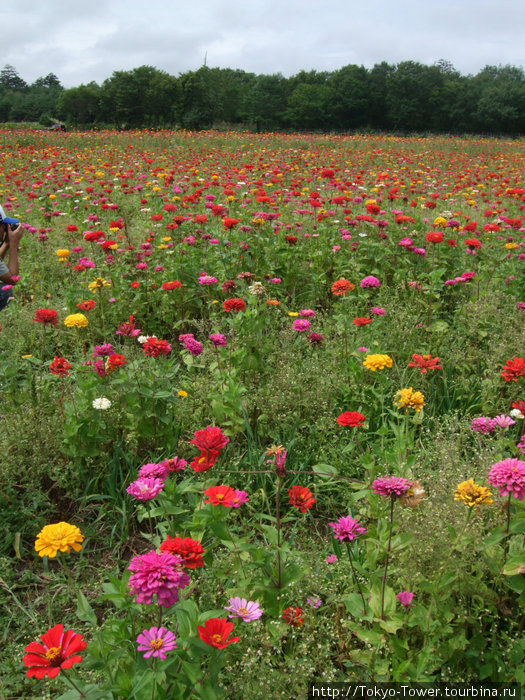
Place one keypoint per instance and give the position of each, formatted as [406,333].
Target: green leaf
[324,470]
[84,610]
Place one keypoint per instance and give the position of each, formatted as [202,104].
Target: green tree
[80,105]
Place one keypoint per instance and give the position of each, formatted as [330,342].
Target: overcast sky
[89,39]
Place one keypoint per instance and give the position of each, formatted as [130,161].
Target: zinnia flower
[301,325]
[216,631]
[246,610]
[346,528]
[58,650]
[361,321]
[353,419]
[210,441]
[46,317]
[156,642]
[369,281]
[413,497]
[87,305]
[58,537]
[509,477]
[341,287]
[483,425]
[101,404]
[154,347]
[76,321]
[128,328]
[513,369]
[218,339]
[145,488]
[235,305]
[294,617]
[375,362]
[157,574]
[220,496]
[190,550]
[472,495]
[60,366]
[424,362]
[407,398]
[405,598]
[391,486]
[301,498]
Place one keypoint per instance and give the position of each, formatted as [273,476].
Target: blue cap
[7,219]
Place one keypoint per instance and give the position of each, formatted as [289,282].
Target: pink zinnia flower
[314,602]
[391,486]
[152,470]
[175,464]
[369,281]
[503,421]
[192,346]
[218,339]
[509,477]
[346,528]
[156,642]
[307,313]
[331,559]
[128,328]
[483,424]
[103,350]
[161,574]
[521,445]
[377,311]
[405,598]
[145,488]
[301,325]
[246,610]
[239,498]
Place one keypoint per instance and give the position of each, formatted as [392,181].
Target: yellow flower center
[52,654]
[216,638]
[243,611]
[156,644]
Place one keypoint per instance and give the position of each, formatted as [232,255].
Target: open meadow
[261,414]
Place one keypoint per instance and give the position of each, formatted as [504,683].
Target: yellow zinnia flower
[98,283]
[473,495]
[374,362]
[62,254]
[75,321]
[407,398]
[182,394]
[60,537]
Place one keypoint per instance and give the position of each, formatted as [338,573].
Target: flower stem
[355,577]
[236,550]
[72,682]
[278,526]
[383,585]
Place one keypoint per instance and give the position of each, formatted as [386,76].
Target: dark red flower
[352,419]
[234,305]
[216,632]
[46,317]
[153,347]
[60,366]
[57,651]
[294,617]
[190,550]
[300,497]
[473,243]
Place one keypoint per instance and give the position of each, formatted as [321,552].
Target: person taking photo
[11,232]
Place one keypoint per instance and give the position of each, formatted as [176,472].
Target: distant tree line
[406,97]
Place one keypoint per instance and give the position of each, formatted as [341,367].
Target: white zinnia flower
[101,404]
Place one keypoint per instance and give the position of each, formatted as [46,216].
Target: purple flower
[145,488]
[301,325]
[156,641]
[218,339]
[369,281]
[405,598]
[391,486]
[346,528]
[192,346]
[509,477]
[246,610]
[314,602]
[315,338]
[161,574]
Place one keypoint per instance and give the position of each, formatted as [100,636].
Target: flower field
[262,405]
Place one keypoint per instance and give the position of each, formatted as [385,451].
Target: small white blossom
[101,404]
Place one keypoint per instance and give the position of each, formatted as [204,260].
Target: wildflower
[407,398]
[353,419]
[508,477]
[115,360]
[346,528]
[154,347]
[145,488]
[102,350]
[101,404]
[341,287]
[59,537]
[315,338]
[58,650]
[301,325]
[424,362]
[516,413]
[301,498]
[182,394]
[314,602]
[405,598]
[331,559]
[47,317]
[190,550]
[62,254]
[361,321]
[257,289]
[60,366]
[235,305]
[218,339]
[375,362]
[162,575]
[98,283]
[76,321]
[246,610]
[279,459]
[240,498]
[220,496]
[174,464]
[154,470]
[307,313]
[190,344]
[391,486]
[369,281]
[128,328]
[377,311]
[210,441]
[156,642]
[504,421]
[169,286]
[483,425]
[472,495]
[87,305]
[513,369]
[414,496]
[216,631]
[293,617]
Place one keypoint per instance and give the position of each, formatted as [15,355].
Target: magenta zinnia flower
[246,610]
[301,324]
[405,598]
[156,641]
[509,477]
[483,424]
[347,528]
[239,498]
[192,346]
[145,487]
[369,281]
[161,574]
[218,339]
[391,486]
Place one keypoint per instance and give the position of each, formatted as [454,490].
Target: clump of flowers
[161,574]
[508,477]
[156,642]
[58,651]
[194,347]
[407,398]
[513,369]
[58,537]
[483,424]
[472,495]
[375,362]
[247,610]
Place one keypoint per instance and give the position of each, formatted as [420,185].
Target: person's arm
[12,266]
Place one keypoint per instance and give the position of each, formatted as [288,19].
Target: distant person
[11,232]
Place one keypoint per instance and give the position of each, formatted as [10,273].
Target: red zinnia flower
[190,550]
[301,498]
[46,316]
[229,223]
[204,460]
[292,240]
[115,361]
[171,285]
[87,305]
[216,632]
[60,366]
[153,347]
[341,287]
[425,362]
[294,617]
[520,405]
[93,235]
[58,650]
[473,243]
[434,237]
[234,305]
[513,369]
[220,496]
[361,321]
[353,419]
